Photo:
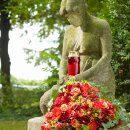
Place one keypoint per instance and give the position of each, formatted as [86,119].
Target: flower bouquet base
[80,106]
[36,123]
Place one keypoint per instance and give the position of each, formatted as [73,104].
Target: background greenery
[45,13]
[117,13]
[13,125]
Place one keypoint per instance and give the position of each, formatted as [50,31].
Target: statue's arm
[106,48]
[62,73]
[64,59]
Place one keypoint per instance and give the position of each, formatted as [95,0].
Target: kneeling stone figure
[91,38]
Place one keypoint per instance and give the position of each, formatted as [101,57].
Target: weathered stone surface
[35,123]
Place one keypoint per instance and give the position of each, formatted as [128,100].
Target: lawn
[13,125]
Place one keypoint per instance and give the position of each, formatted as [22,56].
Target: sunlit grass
[13,125]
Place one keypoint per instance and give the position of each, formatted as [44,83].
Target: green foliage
[111,124]
[94,6]
[26,104]
[36,11]
[13,125]
[121,115]
[69,128]
[17,82]
[54,94]
[117,13]
[45,13]
[6,91]
[84,127]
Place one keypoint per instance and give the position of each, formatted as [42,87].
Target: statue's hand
[45,99]
[71,78]
[63,79]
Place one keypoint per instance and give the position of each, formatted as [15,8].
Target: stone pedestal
[35,124]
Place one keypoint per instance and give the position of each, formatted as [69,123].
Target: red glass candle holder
[73,63]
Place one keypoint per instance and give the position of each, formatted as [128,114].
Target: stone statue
[91,37]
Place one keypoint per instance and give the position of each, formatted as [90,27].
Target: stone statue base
[35,124]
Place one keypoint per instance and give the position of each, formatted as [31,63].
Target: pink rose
[45,127]
[58,125]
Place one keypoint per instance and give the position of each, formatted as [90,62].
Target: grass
[13,125]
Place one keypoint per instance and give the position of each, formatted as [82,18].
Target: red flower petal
[93,125]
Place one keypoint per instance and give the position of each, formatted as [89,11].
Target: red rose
[58,102]
[95,90]
[56,112]
[85,106]
[111,111]
[66,99]
[69,87]
[72,114]
[64,117]
[93,125]
[64,107]
[45,127]
[85,89]
[75,91]
[101,116]
[48,115]
[79,104]
[84,120]
[100,104]
[110,105]
[75,123]
[73,105]
[58,125]
[93,94]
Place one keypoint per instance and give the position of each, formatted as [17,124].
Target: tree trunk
[5,60]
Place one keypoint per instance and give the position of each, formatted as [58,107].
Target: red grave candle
[73,63]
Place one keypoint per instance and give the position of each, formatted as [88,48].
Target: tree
[16,13]
[117,13]
[5,60]
[45,13]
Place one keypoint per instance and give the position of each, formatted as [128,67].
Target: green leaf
[128,125]
[101,129]
[54,94]
[115,122]
[50,103]
[54,129]
[105,126]
[84,127]
[116,102]
[69,128]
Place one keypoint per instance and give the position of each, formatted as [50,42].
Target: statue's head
[74,11]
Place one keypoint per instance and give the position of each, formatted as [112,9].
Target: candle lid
[73,54]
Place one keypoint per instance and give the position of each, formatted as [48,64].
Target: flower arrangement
[79,106]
